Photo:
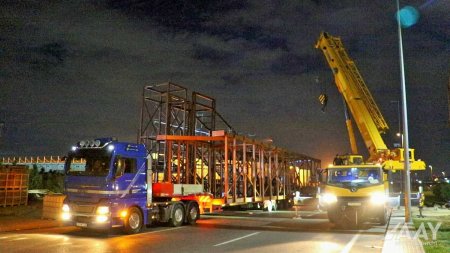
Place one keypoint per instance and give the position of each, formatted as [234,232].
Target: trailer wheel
[177,216]
[193,213]
[133,222]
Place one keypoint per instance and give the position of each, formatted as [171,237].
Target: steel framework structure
[181,136]
[167,110]
[235,168]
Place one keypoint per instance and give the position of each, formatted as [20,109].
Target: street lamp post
[431,172]
[405,122]
[399,116]
[400,136]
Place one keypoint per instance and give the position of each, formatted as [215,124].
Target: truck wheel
[332,215]
[348,219]
[177,216]
[383,217]
[134,221]
[193,213]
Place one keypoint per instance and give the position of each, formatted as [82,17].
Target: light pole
[400,136]
[405,121]
[431,172]
[399,116]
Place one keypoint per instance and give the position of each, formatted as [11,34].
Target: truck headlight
[101,218]
[329,198]
[65,215]
[102,210]
[102,214]
[378,198]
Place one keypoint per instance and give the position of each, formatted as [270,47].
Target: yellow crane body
[365,112]
[356,191]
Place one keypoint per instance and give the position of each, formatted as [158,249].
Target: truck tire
[177,216]
[193,213]
[332,215]
[382,219]
[133,222]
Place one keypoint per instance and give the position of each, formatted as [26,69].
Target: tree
[442,192]
[35,181]
[445,192]
[55,182]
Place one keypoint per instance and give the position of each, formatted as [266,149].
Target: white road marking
[373,246]
[162,230]
[236,239]
[19,239]
[64,243]
[350,244]
[157,231]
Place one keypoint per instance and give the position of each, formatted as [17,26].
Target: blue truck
[109,184]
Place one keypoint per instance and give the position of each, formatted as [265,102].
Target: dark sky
[73,70]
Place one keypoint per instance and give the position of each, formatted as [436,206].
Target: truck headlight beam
[329,198]
[378,198]
[66,215]
[102,210]
[101,218]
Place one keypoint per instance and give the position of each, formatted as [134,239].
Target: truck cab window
[125,166]
[83,163]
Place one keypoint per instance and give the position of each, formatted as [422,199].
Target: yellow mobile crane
[355,190]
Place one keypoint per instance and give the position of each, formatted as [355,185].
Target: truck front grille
[83,219]
[80,208]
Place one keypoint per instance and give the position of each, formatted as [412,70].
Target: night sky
[74,70]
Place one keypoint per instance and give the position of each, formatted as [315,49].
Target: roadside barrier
[52,206]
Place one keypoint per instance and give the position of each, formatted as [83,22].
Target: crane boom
[359,100]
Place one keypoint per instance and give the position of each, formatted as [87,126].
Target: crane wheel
[383,217]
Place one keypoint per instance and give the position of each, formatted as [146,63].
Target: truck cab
[109,184]
[355,193]
[104,178]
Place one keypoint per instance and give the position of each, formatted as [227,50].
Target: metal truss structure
[167,110]
[235,168]
[191,143]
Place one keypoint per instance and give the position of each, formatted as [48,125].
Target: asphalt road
[235,232]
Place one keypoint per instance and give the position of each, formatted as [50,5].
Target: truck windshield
[354,177]
[88,162]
